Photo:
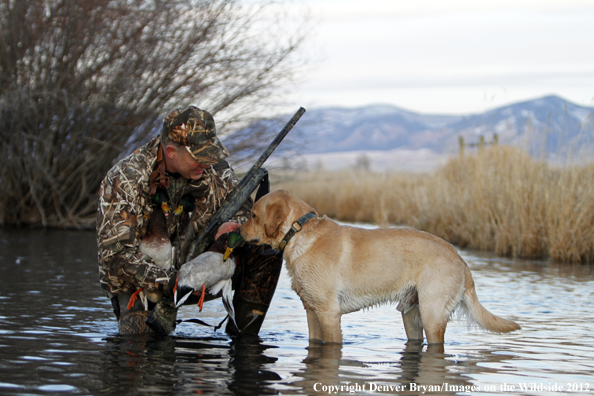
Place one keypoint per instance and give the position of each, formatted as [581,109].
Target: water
[58,336]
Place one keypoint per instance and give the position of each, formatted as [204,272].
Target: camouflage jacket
[125,207]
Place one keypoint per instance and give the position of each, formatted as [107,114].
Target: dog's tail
[479,314]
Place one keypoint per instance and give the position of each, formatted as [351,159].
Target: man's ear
[275,214]
[170,151]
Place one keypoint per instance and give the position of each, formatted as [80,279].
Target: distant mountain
[379,127]
[384,137]
[550,124]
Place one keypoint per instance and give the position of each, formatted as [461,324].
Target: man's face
[182,162]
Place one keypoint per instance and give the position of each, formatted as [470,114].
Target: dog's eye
[253,216]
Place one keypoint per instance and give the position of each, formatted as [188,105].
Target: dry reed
[499,199]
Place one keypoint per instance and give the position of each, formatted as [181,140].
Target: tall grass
[499,199]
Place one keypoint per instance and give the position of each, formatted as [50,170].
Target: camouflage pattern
[125,206]
[195,129]
[133,320]
[254,283]
[162,319]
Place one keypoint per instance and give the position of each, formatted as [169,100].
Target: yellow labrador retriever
[338,269]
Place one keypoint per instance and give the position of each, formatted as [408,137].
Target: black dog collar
[301,222]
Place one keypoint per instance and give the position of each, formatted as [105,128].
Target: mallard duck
[211,272]
[156,246]
[156,243]
[186,204]
[160,199]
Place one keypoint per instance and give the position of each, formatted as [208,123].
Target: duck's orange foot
[133,298]
[201,300]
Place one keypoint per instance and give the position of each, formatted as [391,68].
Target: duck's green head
[159,197]
[234,240]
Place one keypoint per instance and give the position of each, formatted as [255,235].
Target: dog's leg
[436,334]
[413,326]
[434,321]
[437,301]
[315,330]
[330,324]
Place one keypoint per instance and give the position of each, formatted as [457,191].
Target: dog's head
[271,218]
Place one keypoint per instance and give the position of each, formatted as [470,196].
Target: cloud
[527,47]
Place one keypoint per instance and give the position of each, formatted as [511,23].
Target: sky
[447,56]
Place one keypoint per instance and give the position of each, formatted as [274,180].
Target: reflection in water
[417,367]
[142,363]
[58,335]
[249,365]
[200,365]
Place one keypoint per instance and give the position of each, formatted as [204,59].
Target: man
[182,172]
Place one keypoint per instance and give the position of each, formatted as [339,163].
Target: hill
[388,137]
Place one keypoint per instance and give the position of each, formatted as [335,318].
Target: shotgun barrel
[241,192]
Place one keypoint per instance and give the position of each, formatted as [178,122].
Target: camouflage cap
[195,129]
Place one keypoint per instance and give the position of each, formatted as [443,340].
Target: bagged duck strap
[158,178]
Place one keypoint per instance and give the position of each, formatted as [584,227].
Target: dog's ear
[275,214]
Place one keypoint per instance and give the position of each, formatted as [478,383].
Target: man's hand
[227,227]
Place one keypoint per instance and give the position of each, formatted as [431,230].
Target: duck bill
[227,253]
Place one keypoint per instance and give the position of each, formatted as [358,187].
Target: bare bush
[84,81]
